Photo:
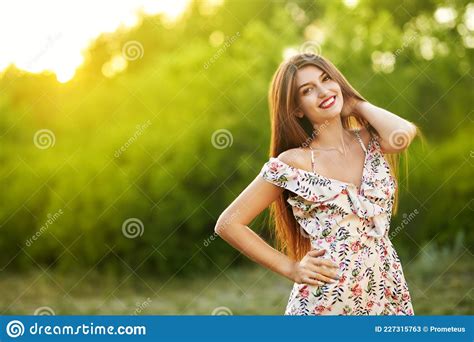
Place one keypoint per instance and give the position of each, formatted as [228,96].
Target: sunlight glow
[351,3]
[52,34]
[445,15]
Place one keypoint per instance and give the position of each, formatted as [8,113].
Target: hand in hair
[350,107]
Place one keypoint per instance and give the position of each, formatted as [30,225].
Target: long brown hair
[289,131]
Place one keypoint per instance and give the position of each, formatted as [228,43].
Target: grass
[440,283]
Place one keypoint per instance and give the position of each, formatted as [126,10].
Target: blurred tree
[142,143]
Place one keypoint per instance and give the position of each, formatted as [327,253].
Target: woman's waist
[346,228]
[364,248]
[360,240]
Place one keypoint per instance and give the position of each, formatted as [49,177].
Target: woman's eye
[326,77]
[306,91]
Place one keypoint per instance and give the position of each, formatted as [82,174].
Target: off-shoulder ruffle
[313,192]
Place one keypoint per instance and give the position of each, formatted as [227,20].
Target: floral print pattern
[352,224]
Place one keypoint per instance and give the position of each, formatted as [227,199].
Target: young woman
[331,182]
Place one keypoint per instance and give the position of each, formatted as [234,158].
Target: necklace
[344,150]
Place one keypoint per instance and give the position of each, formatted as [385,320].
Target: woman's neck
[331,135]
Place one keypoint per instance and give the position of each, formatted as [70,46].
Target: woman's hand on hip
[315,270]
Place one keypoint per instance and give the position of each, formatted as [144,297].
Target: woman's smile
[329,102]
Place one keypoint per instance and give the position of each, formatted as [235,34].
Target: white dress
[352,224]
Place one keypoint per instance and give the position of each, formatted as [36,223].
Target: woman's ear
[299,113]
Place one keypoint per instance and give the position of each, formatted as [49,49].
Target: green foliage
[185,88]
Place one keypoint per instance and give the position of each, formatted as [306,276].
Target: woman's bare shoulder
[294,157]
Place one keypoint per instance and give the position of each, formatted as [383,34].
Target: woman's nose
[323,93]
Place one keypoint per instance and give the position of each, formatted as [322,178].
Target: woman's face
[319,97]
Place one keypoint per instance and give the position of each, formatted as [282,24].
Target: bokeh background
[127,129]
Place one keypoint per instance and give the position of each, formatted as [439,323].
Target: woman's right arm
[232,226]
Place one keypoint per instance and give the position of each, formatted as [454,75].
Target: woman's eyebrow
[304,84]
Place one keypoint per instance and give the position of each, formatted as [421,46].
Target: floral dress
[352,224]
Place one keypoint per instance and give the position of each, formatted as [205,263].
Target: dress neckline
[346,184]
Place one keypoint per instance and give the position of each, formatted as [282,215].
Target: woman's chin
[330,113]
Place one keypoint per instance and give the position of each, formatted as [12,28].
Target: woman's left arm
[395,132]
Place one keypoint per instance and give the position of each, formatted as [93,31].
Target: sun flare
[51,35]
